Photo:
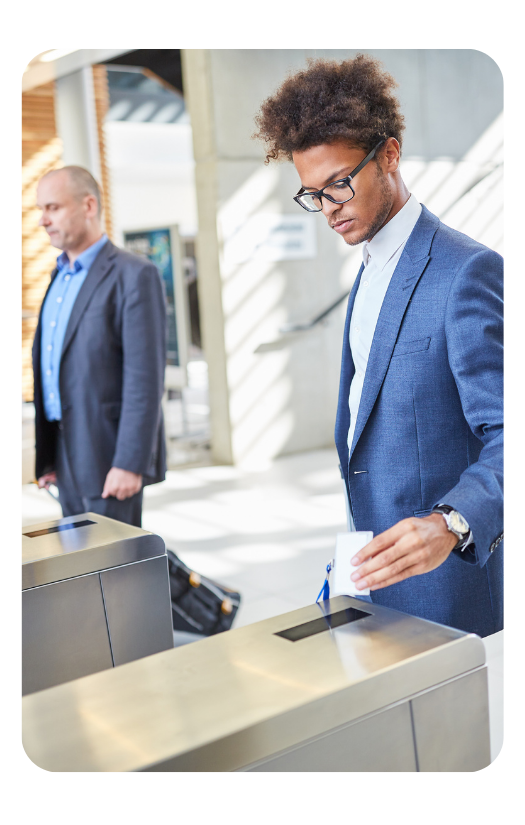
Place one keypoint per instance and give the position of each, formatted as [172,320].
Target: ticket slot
[59,528]
[328,622]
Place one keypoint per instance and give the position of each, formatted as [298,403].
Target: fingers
[382,542]
[120,490]
[422,545]
[387,565]
[415,570]
[391,562]
[47,479]
[115,490]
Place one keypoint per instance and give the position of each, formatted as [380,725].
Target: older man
[419,426]
[98,360]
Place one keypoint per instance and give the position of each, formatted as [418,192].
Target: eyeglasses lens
[311,203]
[338,192]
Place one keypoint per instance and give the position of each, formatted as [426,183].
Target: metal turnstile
[341,686]
[95,594]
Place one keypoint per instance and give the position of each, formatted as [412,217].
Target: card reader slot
[59,528]
[328,622]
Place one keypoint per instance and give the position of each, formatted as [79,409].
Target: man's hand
[47,479]
[409,548]
[121,484]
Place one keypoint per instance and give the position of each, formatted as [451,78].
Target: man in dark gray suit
[98,360]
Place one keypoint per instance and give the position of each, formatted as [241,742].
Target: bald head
[80,181]
[70,201]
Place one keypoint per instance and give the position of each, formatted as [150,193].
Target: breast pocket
[407,347]
[96,310]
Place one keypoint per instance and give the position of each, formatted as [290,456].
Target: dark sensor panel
[303,631]
[58,529]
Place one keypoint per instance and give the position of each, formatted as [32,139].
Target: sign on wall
[267,237]
[162,248]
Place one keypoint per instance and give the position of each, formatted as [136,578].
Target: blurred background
[253,495]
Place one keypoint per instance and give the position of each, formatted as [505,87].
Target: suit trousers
[73,503]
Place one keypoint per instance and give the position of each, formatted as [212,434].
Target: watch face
[458,523]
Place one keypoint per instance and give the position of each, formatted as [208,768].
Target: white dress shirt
[380,257]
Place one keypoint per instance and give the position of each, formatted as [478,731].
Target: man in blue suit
[419,427]
[98,360]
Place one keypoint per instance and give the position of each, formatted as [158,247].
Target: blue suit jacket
[430,421]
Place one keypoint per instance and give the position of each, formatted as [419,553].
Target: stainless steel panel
[451,725]
[64,633]
[239,697]
[381,742]
[138,609]
[60,555]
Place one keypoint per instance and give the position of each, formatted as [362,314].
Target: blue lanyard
[325,589]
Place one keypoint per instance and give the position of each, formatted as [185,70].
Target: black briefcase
[198,604]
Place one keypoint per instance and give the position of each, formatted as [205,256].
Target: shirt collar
[388,240]
[85,259]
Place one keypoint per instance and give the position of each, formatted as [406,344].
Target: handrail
[290,329]
[286,328]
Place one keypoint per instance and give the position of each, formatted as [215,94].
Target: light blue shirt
[55,317]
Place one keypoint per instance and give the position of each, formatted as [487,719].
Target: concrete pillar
[76,120]
[198,92]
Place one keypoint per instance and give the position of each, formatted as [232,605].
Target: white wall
[152,176]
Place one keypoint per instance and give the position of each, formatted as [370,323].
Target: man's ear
[392,154]
[90,206]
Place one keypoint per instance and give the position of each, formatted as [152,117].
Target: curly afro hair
[353,100]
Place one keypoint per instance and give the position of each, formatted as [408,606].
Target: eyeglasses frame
[321,194]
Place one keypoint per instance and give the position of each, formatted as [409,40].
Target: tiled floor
[265,532]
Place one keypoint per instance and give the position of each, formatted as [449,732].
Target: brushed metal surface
[241,696]
[62,555]
[138,609]
[380,742]
[451,725]
[64,633]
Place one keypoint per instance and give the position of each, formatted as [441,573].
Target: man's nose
[44,220]
[329,208]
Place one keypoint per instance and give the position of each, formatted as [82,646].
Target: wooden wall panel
[101,91]
[41,152]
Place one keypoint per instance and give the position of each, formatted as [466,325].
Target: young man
[419,427]
[98,360]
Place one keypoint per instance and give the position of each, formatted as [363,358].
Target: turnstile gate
[340,686]
[95,594]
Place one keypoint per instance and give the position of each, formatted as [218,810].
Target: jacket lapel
[342,422]
[348,361]
[407,273]
[99,269]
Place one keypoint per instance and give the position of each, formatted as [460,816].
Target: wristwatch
[455,523]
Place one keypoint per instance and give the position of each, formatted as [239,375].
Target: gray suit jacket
[111,375]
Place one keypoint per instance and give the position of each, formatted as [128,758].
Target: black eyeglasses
[340,191]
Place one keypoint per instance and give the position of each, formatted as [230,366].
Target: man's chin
[354,237]
[55,241]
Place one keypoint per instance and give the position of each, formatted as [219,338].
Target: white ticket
[347,545]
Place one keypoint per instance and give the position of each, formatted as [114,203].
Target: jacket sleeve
[474,330]
[144,361]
